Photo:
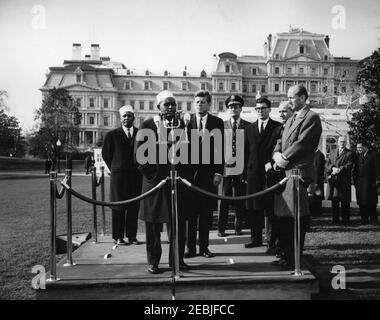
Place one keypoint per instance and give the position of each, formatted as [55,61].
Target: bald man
[118,154]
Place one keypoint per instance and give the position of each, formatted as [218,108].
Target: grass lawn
[25,224]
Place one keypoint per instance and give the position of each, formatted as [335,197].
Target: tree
[365,123]
[59,120]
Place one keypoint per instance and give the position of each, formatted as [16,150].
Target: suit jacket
[319,178]
[366,173]
[339,188]
[257,152]
[298,143]
[156,208]
[228,144]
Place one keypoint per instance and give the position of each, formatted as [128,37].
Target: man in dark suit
[316,190]
[367,179]
[156,208]
[233,184]
[258,148]
[207,174]
[339,171]
[296,150]
[118,154]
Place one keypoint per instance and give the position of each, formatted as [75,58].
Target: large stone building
[100,86]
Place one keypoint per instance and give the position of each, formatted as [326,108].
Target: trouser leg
[192,233]
[131,225]
[345,210]
[118,224]
[205,220]
[153,242]
[335,210]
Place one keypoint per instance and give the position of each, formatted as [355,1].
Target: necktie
[129,133]
[200,124]
[234,127]
[293,118]
[262,127]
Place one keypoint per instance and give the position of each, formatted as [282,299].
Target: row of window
[181,105]
[301,70]
[91,102]
[254,88]
[166,85]
[91,120]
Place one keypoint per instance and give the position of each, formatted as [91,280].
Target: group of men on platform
[271,150]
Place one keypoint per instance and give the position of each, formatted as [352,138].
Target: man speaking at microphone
[156,208]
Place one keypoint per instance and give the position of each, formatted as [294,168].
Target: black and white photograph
[189,155]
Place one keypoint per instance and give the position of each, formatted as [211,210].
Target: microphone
[186,118]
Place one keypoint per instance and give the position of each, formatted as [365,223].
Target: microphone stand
[174,224]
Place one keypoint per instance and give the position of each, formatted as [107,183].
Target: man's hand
[217,179]
[280,160]
[335,170]
[268,166]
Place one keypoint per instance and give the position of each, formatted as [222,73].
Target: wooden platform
[234,273]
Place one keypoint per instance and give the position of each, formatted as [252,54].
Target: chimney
[95,52]
[327,40]
[265,50]
[269,44]
[77,51]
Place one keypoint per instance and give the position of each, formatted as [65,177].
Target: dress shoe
[134,241]
[278,262]
[253,244]
[271,250]
[286,266]
[190,255]
[221,234]
[238,232]
[184,266]
[207,254]
[153,269]
[121,242]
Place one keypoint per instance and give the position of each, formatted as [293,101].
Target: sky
[162,34]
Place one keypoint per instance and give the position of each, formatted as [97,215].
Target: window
[313,87]
[133,103]
[127,85]
[221,105]
[254,88]
[165,85]
[221,86]
[227,68]
[343,89]
[92,102]
[141,105]
[146,85]
[326,57]
[166,73]
[335,90]
[79,77]
[105,103]
[277,56]
[325,71]
[233,86]
[302,49]
[263,88]
[288,85]
[277,70]
[313,70]
[302,70]
[245,88]
[276,87]
[324,89]
[289,70]
[151,105]
[188,106]
[78,102]
[254,71]
[105,121]
[147,72]
[179,105]
[184,86]
[203,86]
[92,120]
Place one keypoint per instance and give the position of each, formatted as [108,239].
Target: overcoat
[298,144]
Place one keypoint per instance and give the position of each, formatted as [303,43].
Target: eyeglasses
[261,108]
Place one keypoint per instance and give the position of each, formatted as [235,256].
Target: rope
[59,194]
[249,196]
[115,203]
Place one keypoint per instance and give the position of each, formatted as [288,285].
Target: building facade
[100,86]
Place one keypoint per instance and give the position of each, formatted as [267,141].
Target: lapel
[289,129]
[209,124]
[256,128]
[339,155]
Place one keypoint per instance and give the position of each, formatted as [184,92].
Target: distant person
[317,192]
[339,171]
[88,162]
[367,179]
[118,154]
[48,164]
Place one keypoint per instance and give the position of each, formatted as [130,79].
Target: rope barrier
[115,203]
[239,198]
[59,194]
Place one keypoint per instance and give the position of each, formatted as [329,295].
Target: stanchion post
[69,231]
[297,222]
[174,231]
[94,218]
[53,226]
[102,193]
